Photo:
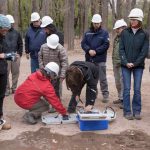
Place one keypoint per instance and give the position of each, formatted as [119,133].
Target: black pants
[3,83]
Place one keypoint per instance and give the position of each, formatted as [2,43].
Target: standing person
[133,48]
[4,27]
[119,26]
[15,45]
[95,43]
[78,74]
[34,38]
[53,51]
[28,94]
[50,28]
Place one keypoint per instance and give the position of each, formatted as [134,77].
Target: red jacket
[35,86]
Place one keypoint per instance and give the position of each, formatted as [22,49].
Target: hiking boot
[105,100]
[29,118]
[137,116]
[117,101]
[129,116]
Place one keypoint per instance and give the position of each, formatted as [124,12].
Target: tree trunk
[148,19]
[105,13]
[119,9]
[69,24]
[112,5]
[133,4]
[3,7]
[127,9]
[15,13]
[34,6]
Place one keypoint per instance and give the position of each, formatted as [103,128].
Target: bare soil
[121,134]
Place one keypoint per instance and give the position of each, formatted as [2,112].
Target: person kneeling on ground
[78,74]
[28,94]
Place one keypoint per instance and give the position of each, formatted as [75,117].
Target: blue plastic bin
[91,125]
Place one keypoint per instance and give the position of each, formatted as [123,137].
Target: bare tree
[119,9]
[83,15]
[133,4]
[15,13]
[112,6]
[127,9]
[3,6]
[105,13]
[69,24]
[34,5]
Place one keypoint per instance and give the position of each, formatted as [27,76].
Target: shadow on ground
[43,139]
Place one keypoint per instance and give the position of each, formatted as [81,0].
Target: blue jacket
[35,37]
[98,41]
[133,48]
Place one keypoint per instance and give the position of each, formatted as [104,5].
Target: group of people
[49,65]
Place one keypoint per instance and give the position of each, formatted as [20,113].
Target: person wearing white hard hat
[50,28]
[95,44]
[34,38]
[52,50]
[133,49]
[15,45]
[119,26]
[28,94]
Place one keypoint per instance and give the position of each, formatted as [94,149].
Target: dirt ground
[121,134]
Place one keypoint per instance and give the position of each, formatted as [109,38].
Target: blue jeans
[136,101]
[34,65]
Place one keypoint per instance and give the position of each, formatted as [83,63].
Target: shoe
[29,118]
[129,117]
[117,101]
[7,93]
[105,100]
[137,116]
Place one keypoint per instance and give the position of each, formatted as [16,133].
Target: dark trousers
[3,83]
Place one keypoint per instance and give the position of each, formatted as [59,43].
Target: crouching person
[78,74]
[28,94]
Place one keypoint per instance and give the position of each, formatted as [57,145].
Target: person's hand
[130,65]
[27,55]
[88,108]
[2,55]
[65,117]
[92,52]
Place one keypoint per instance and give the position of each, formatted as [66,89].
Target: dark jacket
[14,41]
[98,41]
[34,38]
[133,48]
[91,73]
[54,30]
[3,49]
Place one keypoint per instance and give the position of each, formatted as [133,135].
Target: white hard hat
[52,41]
[46,20]
[10,18]
[35,16]
[96,18]
[52,66]
[137,14]
[119,23]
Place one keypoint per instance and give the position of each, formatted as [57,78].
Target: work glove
[10,56]
[65,117]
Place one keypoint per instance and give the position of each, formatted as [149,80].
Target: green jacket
[115,55]
[133,48]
